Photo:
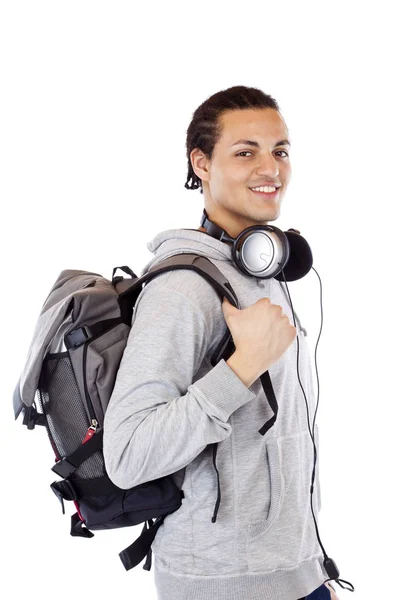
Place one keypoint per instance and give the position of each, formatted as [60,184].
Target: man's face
[234,169]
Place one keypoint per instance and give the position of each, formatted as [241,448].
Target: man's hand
[334,596]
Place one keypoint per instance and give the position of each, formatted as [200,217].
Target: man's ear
[200,164]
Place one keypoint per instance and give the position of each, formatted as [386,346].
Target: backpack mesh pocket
[67,419]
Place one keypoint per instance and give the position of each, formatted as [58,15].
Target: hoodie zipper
[283,288]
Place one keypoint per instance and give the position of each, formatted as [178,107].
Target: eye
[248,151]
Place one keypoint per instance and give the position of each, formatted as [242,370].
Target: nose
[268,166]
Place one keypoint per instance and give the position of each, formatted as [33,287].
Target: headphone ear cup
[247,248]
[300,258]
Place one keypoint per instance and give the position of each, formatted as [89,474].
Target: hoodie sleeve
[158,420]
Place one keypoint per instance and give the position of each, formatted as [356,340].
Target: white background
[95,101]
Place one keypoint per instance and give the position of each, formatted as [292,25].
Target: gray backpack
[71,367]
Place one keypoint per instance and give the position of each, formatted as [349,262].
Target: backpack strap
[135,553]
[67,465]
[78,528]
[32,417]
[74,489]
[270,394]
[77,337]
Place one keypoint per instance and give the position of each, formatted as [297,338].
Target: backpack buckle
[76,338]
[63,468]
[32,417]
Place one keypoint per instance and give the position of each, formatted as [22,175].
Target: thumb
[227,306]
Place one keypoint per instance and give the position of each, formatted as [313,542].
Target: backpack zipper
[91,431]
[92,413]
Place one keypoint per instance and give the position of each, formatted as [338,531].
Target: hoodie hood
[175,241]
[178,241]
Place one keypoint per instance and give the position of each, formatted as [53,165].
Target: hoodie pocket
[287,536]
[273,474]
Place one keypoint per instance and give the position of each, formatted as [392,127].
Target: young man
[245,529]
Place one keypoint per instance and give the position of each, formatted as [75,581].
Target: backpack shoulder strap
[207,269]
[194,262]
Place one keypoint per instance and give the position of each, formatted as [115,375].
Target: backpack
[71,367]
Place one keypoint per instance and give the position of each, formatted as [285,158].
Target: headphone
[265,252]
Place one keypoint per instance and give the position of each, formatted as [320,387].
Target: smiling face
[235,168]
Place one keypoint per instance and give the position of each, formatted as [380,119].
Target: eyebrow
[257,145]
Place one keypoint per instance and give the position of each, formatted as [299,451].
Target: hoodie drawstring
[214,517]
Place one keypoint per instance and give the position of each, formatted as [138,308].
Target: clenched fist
[261,333]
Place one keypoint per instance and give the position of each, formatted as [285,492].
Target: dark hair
[205,128]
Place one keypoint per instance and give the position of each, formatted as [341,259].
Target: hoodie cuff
[223,388]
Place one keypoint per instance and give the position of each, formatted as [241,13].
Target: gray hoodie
[169,404]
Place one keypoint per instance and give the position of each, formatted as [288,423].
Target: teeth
[265,188]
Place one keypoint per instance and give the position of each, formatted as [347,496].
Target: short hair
[205,127]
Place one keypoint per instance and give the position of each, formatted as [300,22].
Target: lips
[266,183]
[266,195]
